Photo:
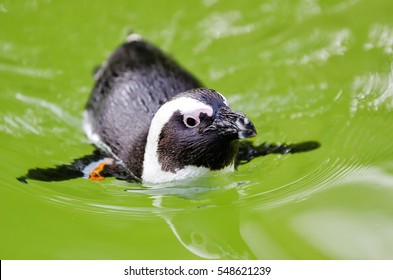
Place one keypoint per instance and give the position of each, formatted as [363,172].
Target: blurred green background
[301,70]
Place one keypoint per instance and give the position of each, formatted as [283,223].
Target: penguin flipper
[247,151]
[96,166]
[58,173]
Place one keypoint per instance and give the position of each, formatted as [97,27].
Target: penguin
[152,121]
[157,121]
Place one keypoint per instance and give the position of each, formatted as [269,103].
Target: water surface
[301,70]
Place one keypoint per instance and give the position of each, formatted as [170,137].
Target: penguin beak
[233,125]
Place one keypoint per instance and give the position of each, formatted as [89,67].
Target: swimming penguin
[151,120]
[157,120]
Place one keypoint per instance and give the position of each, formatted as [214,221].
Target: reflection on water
[207,233]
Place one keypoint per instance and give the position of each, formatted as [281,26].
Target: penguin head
[191,134]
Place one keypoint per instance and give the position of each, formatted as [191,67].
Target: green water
[301,70]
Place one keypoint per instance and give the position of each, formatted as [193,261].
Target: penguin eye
[191,121]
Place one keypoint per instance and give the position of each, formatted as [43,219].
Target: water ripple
[328,175]
[380,37]
[32,72]
[314,48]
[372,91]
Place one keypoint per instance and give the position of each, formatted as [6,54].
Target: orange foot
[95,174]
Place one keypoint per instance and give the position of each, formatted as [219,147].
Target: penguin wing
[96,167]
[247,150]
